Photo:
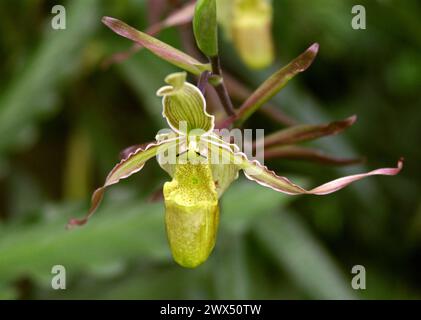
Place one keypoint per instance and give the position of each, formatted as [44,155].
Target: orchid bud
[205,27]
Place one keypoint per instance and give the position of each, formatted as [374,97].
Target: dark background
[64,119]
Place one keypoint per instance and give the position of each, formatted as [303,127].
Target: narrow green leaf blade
[299,253]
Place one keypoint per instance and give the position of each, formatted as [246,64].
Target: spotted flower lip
[203,167]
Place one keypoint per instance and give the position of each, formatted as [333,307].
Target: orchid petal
[184,106]
[159,48]
[133,163]
[168,159]
[177,18]
[276,82]
[255,171]
[265,177]
[130,149]
[223,172]
[305,132]
[180,16]
[302,153]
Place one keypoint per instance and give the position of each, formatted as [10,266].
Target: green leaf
[205,27]
[32,91]
[159,48]
[125,231]
[276,82]
[239,216]
[301,255]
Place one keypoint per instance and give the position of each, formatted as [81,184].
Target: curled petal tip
[75,222]
[400,163]
[314,47]
[108,20]
[351,120]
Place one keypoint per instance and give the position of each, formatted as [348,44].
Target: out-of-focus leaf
[205,27]
[230,274]
[78,165]
[302,153]
[7,292]
[251,30]
[276,82]
[300,133]
[29,94]
[145,87]
[147,281]
[119,232]
[159,48]
[156,9]
[299,253]
[238,215]
[179,16]
[123,231]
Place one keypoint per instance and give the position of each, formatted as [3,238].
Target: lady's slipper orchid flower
[248,24]
[202,166]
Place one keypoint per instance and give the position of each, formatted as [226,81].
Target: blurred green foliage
[64,118]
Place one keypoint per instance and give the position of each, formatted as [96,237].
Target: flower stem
[203,81]
[220,88]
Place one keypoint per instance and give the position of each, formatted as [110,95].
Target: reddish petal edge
[268,178]
[115,176]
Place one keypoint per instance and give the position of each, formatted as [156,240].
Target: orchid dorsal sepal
[159,48]
[184,106]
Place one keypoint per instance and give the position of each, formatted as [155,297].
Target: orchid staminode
[202,165]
